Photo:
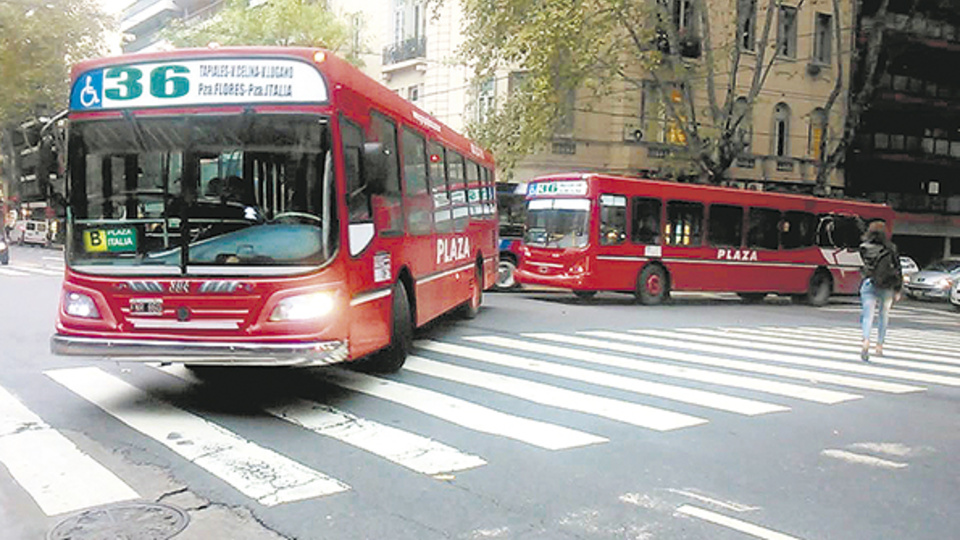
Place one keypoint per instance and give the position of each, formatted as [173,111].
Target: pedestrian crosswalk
[513,387]
[47,269]
[910,313]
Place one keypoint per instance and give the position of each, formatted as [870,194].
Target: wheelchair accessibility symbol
[88,95]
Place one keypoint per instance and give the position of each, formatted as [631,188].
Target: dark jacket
[870,252]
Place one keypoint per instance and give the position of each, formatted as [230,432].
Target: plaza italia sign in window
[198,82]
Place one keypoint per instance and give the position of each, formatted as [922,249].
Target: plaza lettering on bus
[736,254]
[452,249]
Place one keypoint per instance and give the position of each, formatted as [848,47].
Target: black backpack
[886,272]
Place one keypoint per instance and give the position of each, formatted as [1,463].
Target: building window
[486,99]
[822,39]
[413,92]
[747,12]
[781,130]
[818,129]
[787,32]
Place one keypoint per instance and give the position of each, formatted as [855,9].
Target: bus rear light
[80,305]
[303,307]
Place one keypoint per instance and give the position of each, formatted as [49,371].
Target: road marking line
[259,473]
[36,270]
[742,365]
[552,396]
[409,450]
[800,352]
[676,393]
[464,413]
[49,467]
[861,459]
[817,395]
[57,259]
[859,367]
[899,343]
[821,342]
[12,273]
[722,504]
[732,523]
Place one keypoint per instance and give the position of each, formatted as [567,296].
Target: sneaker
[865,355]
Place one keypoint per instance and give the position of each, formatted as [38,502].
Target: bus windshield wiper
[137,130]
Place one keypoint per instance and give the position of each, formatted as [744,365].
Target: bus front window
[246,190]
[560,223]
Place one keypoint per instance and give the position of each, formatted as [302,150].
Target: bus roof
[719,193]
[339,74]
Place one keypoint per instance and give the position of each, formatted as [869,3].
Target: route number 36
[164,83]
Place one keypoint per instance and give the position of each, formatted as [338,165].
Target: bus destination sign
[214,81]
[551,189]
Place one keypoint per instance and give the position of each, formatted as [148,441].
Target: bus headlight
[80,305]
[303,307]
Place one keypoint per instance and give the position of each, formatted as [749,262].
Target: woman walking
[882,281]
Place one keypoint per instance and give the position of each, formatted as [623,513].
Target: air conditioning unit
[813,69]
[755,186]
[632,133]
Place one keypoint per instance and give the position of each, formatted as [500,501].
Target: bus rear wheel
[819,291]
[472,307]
[652,286]
[392,357]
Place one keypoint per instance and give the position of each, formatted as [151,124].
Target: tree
[302,23]
[39,40]
[705,85]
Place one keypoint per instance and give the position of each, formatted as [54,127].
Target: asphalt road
[546,417]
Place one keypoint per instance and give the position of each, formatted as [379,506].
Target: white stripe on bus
[780,371]
[676,393]
[414,452]
[365,297]
[464,413]
[440,275]
[552,396]
[257,472]
[806,393]
[49,467]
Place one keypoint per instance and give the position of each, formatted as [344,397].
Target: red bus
[264,206]
[593,232]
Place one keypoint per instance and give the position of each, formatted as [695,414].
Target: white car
[908,267]
[955,295]
[31,232]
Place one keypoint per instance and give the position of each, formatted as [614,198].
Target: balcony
[409,49]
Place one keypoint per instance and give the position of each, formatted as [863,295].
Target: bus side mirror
[375,163]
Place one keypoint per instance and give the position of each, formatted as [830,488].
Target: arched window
[818,130]
[744,129]
[781,130]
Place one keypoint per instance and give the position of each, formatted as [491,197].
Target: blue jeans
[870,296]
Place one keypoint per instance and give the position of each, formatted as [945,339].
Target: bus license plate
[146,306]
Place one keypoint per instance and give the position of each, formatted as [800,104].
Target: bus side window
[684,223]
[458,192]
[473,193]
[419,208]
[384,131]
[763,228]
[646,221]
[358,200]
[438,189]
[798,230]
[725,225]
[839,231]
[613,220]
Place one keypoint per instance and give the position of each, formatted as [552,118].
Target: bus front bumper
[560,281]
[316,353]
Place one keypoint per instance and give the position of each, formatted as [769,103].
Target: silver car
[935,281]
[955,295]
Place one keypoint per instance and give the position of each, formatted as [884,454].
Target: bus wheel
[585,295]
[472,307]
[505,279]
[392,357]
[752,298]
[652,286]
[820,289]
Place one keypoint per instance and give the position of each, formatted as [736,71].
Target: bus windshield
[201,191]
[561,223]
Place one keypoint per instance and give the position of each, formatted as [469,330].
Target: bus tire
[471,308]
[752,297]
[585,295]
[818,294]
[652,286]
[392,357]
[505,275]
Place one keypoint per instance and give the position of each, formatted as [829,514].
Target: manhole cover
[123,521]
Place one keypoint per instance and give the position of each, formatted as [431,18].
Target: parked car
[4,249]
[908,267]
[31,232]
[955,295]
[935,281]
